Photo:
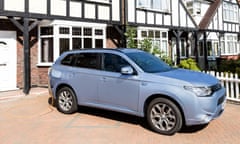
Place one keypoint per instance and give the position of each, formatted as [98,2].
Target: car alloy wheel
[66,100]
[164,116]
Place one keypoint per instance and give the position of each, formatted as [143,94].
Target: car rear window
[88,60]
[68,60]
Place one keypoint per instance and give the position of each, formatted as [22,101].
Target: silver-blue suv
[137,83]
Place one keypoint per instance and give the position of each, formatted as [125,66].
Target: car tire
[66,101]
[163,116]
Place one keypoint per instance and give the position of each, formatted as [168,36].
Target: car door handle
[104,79]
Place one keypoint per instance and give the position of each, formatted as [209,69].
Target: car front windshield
[149,63]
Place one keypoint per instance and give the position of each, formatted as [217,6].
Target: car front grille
[221,100]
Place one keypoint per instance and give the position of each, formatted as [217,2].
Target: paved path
[31,120]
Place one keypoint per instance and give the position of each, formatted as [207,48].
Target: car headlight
[199,91]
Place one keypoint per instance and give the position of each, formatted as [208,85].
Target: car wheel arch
[152,97]
[63,85]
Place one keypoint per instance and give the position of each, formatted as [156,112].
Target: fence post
[237,87]
[231,80]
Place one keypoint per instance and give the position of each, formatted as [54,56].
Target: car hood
[193,77]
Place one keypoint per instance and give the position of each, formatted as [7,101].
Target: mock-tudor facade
[33,33]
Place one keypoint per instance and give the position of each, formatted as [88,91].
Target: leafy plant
[189,64]
[146,45]
[131,35]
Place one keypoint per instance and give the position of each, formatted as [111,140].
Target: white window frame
[161,39]
[150,4]
[56,36]
[230,12]
[230,45]
[100,1]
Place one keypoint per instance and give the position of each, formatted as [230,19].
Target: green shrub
[131,35]
[189,64]
[232,66]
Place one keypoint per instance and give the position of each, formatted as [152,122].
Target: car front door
[117,91]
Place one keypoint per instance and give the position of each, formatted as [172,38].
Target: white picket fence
[231,82]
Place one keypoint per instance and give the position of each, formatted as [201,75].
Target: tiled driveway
[31,120]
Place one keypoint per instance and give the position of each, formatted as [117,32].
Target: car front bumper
[208,108]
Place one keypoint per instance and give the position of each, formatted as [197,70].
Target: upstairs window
[230,12]
[158,5]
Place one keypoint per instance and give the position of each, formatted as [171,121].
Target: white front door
[8,62]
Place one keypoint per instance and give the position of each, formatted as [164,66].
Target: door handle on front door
[3,64]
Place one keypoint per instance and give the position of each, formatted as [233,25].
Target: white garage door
[8,60]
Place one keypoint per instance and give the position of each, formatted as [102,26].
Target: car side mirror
[127,70]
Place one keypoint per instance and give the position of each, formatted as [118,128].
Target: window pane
[150,34]
[87,43]
[88,60]
[98,32]
[46,49]
[209,48]
[64,44]
[76,31]
[114,63]
[216,51]
[63,30]
[143,3]
[98,43]
[157,34]
[183,51]
[156,4]
[87,31]
[201,48]
[144,33]
[164,34]
[68,60]
[164,47]
[76,43]
[46,31]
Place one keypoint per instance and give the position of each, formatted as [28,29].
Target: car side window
[88,60]
[113,63]
[68,60]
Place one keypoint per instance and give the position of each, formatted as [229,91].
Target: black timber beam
[26,28]
[121,30]
[1,5]
[205,51]
[177,34]
[196,53]
[26,53]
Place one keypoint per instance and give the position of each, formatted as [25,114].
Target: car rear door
[86,77]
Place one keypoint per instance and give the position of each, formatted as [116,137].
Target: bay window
[56,39]
[229,45]
[158,37]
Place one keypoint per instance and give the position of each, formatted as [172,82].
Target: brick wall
[39,75]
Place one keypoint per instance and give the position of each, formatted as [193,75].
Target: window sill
[44,64]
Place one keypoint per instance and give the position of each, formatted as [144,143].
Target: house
[218,22]
[33,33]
